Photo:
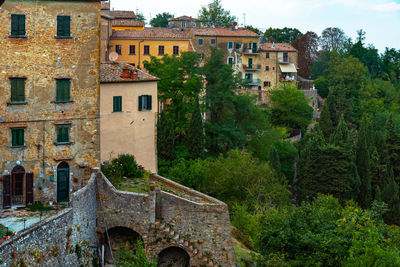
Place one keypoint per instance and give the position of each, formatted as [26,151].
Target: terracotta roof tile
[155,33]
[240,32]
[122,14]
[127,22]
[277,47]
[184,18]
[112,72]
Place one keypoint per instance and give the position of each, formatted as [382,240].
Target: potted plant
[152,187]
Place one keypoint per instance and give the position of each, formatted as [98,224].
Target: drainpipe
[141,41]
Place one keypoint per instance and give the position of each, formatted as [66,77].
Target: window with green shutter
[63,134]
[117,103]
[17,90]
[63,90]
[145,102]
[63,26]
[17,137]
[17,25]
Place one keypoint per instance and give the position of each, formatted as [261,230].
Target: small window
[118,49]
[267,84]
[63,134]
[146,50]
[117,104]
[230,45]
[145,102]
[238,46]
[200,41]
[132,50]
[285,57]
[267,68]
[63,90]
[160,50]
[183,24]
[176,50]
[230,60]
[17,136]
[266,55]
[63,26]
[212,41]
[17,90]
[18,25]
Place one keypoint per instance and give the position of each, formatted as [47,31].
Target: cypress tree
[325,122]
[363,166]
[393,148]
[195,136]
[378,196]
[275,162]
[391,197]
[165,138]
[341,135]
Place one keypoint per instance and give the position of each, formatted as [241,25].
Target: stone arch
[173,256]
[119,236]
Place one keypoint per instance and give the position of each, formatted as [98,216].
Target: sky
[380,19]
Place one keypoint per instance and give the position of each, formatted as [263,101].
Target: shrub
[123,165]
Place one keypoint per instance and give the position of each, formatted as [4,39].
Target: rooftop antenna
[244,19]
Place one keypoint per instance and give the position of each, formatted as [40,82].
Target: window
[176,50]
[249,77]
[118,49]
[250,63]
[200,41]
[267,84]
[17,90]
[212,41]
[285,57]
[63,26]
[160,50]
[266,55]
[145,102]
[117,104]
[183,24]
[230,45]
[63,90]
[230,60]
[146,50]
[267,68]
[63,134]
[202,56]
[17,25]
[238,46]
[17,135]
[132,50]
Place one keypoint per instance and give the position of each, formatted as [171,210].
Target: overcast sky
[380,19]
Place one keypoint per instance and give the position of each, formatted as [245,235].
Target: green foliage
[363,166]
[126,258]
[254,29]
[325,121]
[290,108]
[322,85]
[195,136]
[161,20]
[123,166]
[140,16]
[391,197]
[214,15]
[284,35]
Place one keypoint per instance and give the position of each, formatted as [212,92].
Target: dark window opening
[18,25]
[266,55]
[63,134]
[145,102]
[200,41]
[63,26]
[146,50]
[132,50]
[117,104]
[176,50]
[267,68]
[17,136]
[118,49]
[160,50]
[212,41]
[17,90]
[63,90]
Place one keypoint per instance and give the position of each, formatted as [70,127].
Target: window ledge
[24,146]
[18,36]
[16,103]
[63,37]
[63,143]
[62,102]
[117,111]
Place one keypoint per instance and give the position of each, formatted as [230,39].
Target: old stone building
[49,109]
[184,22]
[128,110]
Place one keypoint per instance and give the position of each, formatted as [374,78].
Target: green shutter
[14,137]
[63,88]
[117,103]
[148,102]
[63,26]
[17,137]
[17,90]
[21,25]
[140,103]
[62,134]
[17,24]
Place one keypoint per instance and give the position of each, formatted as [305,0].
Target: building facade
[128,114]
[184,22]
[49,109]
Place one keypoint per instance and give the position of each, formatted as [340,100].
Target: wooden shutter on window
[148,98]
[18,24]
[29,188]
[21,25]
[140,103]
[7,191]
[64,26]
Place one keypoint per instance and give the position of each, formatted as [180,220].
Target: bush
[322,85]
[127,258]
[123,165]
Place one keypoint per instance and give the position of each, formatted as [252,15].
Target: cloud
[368,5]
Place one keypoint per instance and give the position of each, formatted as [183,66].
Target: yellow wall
[138,58]
[123,28]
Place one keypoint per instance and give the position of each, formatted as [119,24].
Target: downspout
[141,41]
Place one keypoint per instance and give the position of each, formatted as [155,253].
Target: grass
[135,185]
[244,256]
[39,207]
[4,231]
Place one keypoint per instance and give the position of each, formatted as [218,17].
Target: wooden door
[7,191]
[29,188]
[63,182]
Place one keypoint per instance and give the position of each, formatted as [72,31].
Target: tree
[213,15]
[393,148]
[391,197]
[195,135]
[165,138]
[161,20]
[325,122]
[322,85]
[363,165]
[332,39]
[140,16]
[290,108]
[284,35]
[307,48]
[254,29]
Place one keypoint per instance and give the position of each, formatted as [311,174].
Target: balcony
[250,51]
[252,67]
[284,60]
[254,82]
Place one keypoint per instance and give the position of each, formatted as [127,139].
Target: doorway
[63,182]
[17,185]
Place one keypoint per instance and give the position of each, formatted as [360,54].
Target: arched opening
[63,182]
[17,185]
[121,238]
[173,257]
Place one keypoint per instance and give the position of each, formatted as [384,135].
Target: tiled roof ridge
[277,46]
[112,72]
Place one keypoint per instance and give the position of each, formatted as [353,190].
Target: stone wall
[66,239]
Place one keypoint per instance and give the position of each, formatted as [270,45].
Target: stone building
[128,110]
[184,22]
[49,109]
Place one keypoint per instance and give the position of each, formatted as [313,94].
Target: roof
[121,14]
[239,32]
[152,33]
[277,47]
[184,18]
[127,22]
[112,73]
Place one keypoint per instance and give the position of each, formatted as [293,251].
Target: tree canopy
[214,15]
[161,20]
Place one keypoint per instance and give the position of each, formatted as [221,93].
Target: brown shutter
[7,192]
[29,188]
